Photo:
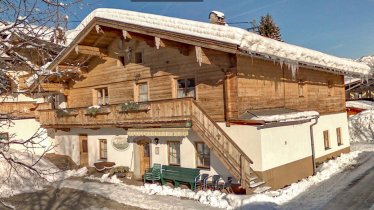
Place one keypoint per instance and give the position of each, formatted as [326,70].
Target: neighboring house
[157,89]
[357,106]
[18,105]
[360,88]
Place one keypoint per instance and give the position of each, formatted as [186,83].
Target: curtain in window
[174,153]
[143,92]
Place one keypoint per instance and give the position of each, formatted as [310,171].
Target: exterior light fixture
[156,140]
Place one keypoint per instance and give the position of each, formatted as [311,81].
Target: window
[301,88]
[122,60]
[102,96]
[174,153]
[330,86]
[103,149]
[138,57]
[326,139]
[185,88]
[203,155]
[143,92]
[339,136]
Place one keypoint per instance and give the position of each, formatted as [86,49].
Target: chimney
[216,17]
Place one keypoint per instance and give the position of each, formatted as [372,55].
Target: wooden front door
[83,150]
[145,155]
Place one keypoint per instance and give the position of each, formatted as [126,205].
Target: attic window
[122,60]
[138,57]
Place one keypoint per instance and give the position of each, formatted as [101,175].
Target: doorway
[83,150]
[145,155]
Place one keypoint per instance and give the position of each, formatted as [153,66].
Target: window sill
[340,144]
[327,148]
[204,167]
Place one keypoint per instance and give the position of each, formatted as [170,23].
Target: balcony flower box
[65,113]
[97,110]
[131,106]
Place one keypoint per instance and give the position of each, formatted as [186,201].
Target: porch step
[253,178]
[261,189]
[255,184]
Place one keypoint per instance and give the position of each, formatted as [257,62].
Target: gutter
[312,144]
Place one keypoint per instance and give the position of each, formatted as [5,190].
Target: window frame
[103,150]
[169,153]
[197,155]
[137,93]
[186,88]
[100,90]
[141,57]
[339,136]
[326,139]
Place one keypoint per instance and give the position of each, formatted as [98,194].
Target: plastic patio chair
[200,181]
[211,182]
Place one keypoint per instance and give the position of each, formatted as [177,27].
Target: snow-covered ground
[361,104]
[17,179]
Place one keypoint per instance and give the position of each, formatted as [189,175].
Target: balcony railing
[149,114]
[18,109]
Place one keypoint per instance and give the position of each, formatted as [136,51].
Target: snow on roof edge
[249,42]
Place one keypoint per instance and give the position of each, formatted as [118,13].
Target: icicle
[157,42]
[281,61]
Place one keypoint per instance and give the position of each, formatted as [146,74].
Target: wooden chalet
[179,98]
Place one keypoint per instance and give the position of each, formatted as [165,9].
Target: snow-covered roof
[247,42]
[293,116]
[350,80]
[361,104]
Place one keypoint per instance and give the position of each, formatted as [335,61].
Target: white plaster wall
[330,123]
[285,144]
[25,129]
[248,138]
[70,145]
[271,147]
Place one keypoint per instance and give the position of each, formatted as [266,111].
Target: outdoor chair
[200,181]
[211,182]
[225,185]
[153,174]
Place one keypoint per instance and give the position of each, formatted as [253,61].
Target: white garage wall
[330,123]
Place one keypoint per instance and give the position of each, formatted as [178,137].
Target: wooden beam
[201,56]
[99,30]
[88,50]
[126,35]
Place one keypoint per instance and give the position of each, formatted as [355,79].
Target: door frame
[80,139]
[141,144]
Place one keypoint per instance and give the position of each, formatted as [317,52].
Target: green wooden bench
[153,174]
[179,175]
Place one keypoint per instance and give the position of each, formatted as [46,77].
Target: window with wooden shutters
[203,155]
[143,92]
[186,88]
[102,96]
[339,136]
[326,139]
[174,153]
[103,149]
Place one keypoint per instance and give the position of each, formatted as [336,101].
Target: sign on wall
[120,143]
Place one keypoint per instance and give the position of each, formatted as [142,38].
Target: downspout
[312,144]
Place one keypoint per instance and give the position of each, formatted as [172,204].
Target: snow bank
[266,200]
[368,60]
[361,127]
[288,117]
[105,178]
[247,42]
[19,179]
[212,198]
[361,104]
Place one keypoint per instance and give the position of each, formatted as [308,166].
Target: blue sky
[343,28]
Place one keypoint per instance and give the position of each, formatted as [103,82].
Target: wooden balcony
[18,110]
[161,113]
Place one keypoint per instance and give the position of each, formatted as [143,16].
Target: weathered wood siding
[264,84]
[160,68]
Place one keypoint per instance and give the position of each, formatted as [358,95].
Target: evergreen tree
[267,28]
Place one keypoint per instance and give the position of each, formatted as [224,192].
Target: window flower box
[97,110]
[131,106]
[66,113]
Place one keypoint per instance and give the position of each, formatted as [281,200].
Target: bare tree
[32,33]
